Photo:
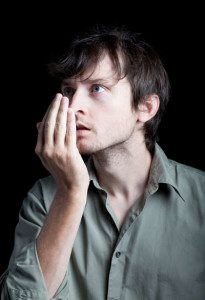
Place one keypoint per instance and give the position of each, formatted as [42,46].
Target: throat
[122,207]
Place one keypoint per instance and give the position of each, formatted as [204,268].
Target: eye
[68,91]
[97,88]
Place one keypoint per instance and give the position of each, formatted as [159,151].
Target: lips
[80,126]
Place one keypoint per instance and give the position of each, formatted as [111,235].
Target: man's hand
[57,149]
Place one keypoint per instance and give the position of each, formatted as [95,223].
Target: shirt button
[117,254]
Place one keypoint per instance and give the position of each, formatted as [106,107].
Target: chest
[158,254]
[122,207]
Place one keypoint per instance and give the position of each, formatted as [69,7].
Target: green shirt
[158,253]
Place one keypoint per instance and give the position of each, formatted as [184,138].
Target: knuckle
[46,153]
[60,126]
[37,150]
[47,125]
[38,125]
[59,154]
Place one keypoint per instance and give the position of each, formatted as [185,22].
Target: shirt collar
[162,172]
[92,172]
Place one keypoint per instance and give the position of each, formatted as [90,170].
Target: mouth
[81,127]
[81,130]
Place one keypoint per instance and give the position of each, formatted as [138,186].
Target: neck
[123,170]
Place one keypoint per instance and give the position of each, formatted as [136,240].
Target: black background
[31,35]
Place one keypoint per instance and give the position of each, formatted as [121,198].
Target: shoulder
[189,180]
[184,178]
[188,172]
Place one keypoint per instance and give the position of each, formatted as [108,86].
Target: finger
[70,139]
[61,120]
[39,143]
[40,138]
[50,121]
[47,112]
[40,127]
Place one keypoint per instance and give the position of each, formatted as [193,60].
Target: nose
[78,101]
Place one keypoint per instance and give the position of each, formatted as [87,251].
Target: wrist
[72,193]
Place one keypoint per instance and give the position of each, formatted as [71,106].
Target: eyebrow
[89,80]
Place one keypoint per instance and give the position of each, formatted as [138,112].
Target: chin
[85,150]
[88,149]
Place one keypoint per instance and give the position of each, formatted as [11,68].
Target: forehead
[103,71]
[104,68]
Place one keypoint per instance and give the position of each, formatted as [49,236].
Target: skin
[114,139]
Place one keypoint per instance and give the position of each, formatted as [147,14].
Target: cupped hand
[57,149]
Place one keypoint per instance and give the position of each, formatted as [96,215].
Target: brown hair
[141,65]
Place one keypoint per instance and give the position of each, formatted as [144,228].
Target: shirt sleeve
[24,279]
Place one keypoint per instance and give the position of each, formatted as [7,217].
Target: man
[128,223]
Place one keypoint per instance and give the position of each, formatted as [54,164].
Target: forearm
[56,239]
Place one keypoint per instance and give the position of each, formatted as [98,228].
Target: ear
[148,108]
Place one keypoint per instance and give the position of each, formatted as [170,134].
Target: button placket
[117,254]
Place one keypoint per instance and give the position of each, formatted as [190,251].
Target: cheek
[113,117]
[116,124]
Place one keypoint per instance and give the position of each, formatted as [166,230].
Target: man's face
[102,104]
